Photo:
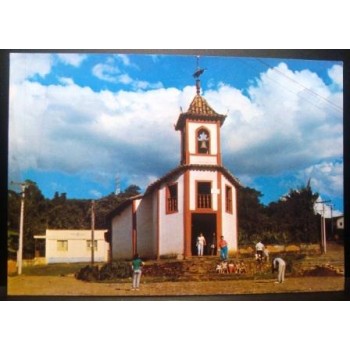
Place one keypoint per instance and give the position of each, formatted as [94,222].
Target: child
[136,266]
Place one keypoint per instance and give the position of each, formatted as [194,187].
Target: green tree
[252,218]
[294,216]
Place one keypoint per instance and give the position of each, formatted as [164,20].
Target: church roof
[201,167]
[167,177]
[199,110]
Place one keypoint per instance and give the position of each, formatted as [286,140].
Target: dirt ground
[69,286]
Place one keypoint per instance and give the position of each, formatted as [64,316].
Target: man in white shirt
[259,247]
[200,244]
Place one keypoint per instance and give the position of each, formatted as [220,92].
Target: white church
[198,196]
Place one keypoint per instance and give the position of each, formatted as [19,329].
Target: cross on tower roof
[199,71]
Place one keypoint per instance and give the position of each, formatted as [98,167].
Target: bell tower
[200,130]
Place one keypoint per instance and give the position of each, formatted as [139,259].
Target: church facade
[198,196]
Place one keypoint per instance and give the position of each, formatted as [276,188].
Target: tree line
[291,219]
[58,213]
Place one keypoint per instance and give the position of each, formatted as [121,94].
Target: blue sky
[79,121]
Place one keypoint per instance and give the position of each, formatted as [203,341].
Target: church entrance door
[206,224]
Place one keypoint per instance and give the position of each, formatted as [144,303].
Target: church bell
[203,145]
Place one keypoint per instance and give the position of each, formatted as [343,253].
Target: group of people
[222,244]
[231,267]
[278,264]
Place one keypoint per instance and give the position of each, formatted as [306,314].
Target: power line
[283,86]
[298,83]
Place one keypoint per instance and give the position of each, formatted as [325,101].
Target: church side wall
[171,238]
[146,230]
[122,235]
[229,220]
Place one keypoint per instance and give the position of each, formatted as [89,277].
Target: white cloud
[326,178]
[124,58]
[66,81]
[72,59]
[24,66]
[278,127]
[112,73]
[106,72]
[336,74]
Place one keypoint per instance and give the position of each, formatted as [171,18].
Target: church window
[228,198]
[171,199]
[203,141]
[203,195]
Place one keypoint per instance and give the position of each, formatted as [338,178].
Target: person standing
[136,266]
[278,264]
[259,247]
[223,248]
[201,242]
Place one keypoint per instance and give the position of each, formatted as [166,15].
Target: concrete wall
[172,225]
[122,235]
[229,221]
[77,246]
[146,230]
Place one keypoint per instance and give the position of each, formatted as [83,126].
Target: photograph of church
[198,196]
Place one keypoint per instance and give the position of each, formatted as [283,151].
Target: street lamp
[21,221]
[323,229]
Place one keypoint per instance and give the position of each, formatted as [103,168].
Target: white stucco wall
[122,234]
[77,246]
[172,225]
[203,160]
[229,221]
[146,231]
[192,137]
[209,176]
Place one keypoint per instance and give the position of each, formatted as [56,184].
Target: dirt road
[69,286]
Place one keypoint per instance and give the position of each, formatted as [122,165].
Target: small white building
[70,246]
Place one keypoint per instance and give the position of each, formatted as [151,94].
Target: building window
[88,244]
[203,141]
[228,197]
[203,195]
[171,199]
[62,246]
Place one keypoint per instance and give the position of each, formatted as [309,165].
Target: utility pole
[323,229]
[92,231]
[21,221]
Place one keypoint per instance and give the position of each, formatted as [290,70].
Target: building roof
[199,110]
[167,177]
[72,234]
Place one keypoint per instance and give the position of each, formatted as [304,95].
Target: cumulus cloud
[336,74]
[326,177]
[72,59]
[279,126]
[24,66]
[111,72]
[106,72]
[276,127]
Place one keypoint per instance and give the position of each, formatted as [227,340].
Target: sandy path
[69,286]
